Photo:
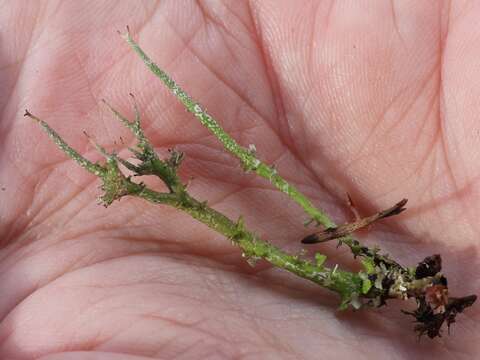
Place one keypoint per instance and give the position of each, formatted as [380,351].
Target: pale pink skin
[377,98]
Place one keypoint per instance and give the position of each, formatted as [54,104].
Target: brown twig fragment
[348,228]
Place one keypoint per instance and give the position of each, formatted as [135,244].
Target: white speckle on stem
[255,163]
[285,188]
[335,269]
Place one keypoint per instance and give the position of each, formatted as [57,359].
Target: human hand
[372,99]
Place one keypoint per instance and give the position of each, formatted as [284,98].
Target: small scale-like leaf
[320,259]
[366,286]
[368,265]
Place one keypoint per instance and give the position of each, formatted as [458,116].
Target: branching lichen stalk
[116,185]
[381,279]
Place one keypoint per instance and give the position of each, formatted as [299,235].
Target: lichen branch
[116,185]
[381,279]
[86,164]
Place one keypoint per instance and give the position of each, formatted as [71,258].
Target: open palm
[376,98]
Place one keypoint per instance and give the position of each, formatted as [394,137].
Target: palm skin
[375,98]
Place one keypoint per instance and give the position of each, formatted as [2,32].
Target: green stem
[343,282]
[116,185]
[95,169]
[247,158]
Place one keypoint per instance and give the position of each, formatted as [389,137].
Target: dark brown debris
[430,322]
[430,266]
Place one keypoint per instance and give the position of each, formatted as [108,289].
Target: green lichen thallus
[381,278]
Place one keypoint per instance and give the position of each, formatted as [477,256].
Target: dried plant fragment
[337,232]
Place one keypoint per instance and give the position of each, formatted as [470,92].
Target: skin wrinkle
[330,68]
[269,71]
[191,348]
[395,23]
[279,107]
[443,141]
[403,116]
[96,232]
[14,230]
[30,227]
[191,248]
[207,18]
[442,14]
[87,79]
[225,196]
[429,190]
[214,72]
[371,133]
[97,341]
[178,353]
[69,270]
[312,33]
[64,205]
[48,246]
[30,240]
[7,237]
[150,247]
[247,26]
[53,279]
[130,223]
[20,70]
[274,341]
[310,66]
[148,19]
[184,259]
[330,10]
[427,205]
[277,347]
[433,108]
[275,93]
[194,326]
[415,97]
[79,210]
